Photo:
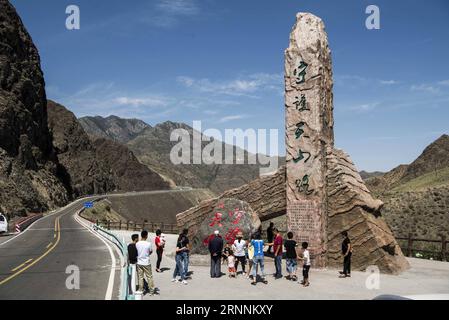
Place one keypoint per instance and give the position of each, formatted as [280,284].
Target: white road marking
[110,287]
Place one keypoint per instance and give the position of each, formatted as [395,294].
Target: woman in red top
[160,243]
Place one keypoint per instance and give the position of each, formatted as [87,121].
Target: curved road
[33,264]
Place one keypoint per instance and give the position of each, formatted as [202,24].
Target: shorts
[305,271]
[292,265]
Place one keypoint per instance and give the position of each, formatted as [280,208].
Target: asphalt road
[33,264]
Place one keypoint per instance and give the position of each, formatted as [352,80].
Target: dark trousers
[269,241]
[215,266]
[159,258]
[305,272]
[278,266]
[242,260]
[347,264]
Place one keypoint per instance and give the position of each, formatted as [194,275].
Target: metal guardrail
[121,245]
[125,272]
[170,228]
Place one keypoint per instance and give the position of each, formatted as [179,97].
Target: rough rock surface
[229,216]
[266,196]
[152,147]
[96,167]
[353,209]
[309,131]
[113,127]
[28,167]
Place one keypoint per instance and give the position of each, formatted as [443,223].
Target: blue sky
[222,62]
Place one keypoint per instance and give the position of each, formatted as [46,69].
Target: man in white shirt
[144,250]
[238,248]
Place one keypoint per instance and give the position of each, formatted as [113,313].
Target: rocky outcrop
[229,216]
[96,167]
[114,128]
[152,147]
[266,197]
[351,208]
[125,170]
[28,168]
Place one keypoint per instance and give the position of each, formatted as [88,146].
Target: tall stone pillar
[309,132]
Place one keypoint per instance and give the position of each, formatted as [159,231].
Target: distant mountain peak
[113,127]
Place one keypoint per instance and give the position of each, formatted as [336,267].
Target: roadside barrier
[22,225]
[126,271]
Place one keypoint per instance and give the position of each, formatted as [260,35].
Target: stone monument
[319,190]
[309,132]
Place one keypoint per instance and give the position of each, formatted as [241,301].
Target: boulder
[229,216]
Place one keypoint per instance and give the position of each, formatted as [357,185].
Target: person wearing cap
[215,249]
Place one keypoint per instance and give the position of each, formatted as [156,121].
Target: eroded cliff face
[96,167]
[46,158]
[352,208]
[28,167]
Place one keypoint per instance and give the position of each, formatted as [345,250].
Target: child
[250,256]
[226,252]
[163,239]
[291,257]
[306,264]
[231,264]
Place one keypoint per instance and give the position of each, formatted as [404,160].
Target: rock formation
[351,208]
[265,195]
[320,190]
[113,127]
[28,167]
[308,132]
[229,216]
[96,167]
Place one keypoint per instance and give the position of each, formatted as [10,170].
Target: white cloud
[366,106]
[444,83]
[178,7]
[242,86]
[167,13]
[139,102]
[232,118]
[388,82]
[426,88]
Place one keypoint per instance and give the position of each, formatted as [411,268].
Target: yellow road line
[58,232]
[49,244]
[21,265]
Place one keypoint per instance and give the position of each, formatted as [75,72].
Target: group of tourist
[139,252]
[252,251]
[240,252]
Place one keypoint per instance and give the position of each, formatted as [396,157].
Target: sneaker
[184,282]
[174,280]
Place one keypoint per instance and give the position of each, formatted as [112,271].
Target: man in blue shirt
[258,259]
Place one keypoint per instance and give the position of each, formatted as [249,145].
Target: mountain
[29,169]
[152,146]
[113,127]
[366,175]
[416,196]
[434,159]
[96,167]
